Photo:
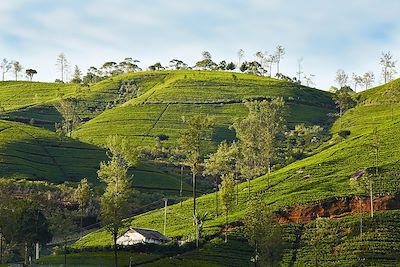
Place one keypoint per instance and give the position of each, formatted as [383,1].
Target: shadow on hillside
[222,133]
[53,159]
[39,116]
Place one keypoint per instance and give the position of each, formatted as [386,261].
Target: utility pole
[165,215]
[1,247]
[181,190]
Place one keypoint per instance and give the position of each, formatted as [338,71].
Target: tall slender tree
[114,203]
[388,66]
[62,65]
[279,53]
[5,66]
[16,68]
[240,55]
[83,194]
[258,136]
[198,129]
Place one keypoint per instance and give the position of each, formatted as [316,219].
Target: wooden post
[181,190]
[165,215]
[37,250]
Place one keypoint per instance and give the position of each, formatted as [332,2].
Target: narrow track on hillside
[155,122]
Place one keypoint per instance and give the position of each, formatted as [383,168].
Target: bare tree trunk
[361,221]
[115,233]
[26,253]
[226,224]
[248,186]
[65,253]
[371,199]
[181,189]
[194,193]
[1,248]
[216,197]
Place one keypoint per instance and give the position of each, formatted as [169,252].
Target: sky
[327,35]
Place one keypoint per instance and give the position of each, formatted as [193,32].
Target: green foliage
[263,232]
[257,134]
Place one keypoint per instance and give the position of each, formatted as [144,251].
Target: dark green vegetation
[183,94]
[158,103]
[314,179]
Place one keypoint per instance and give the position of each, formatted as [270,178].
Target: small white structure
[139,235]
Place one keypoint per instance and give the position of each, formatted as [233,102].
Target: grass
[36,154]
[341,244]
[183,94]
[33,102]
[324,175]
[97,259]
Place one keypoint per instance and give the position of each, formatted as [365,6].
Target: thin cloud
[327,34]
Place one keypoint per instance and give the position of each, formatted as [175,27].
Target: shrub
[344,133]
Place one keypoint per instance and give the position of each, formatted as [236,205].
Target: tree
[30,73]
[357,80]
[5,67]
[62,65]
[343,100]
[68,108]
[220,164]
[114,203]
[309,80]
[77,76]
[341,78]
[110,68]
[368,79]
[198,129]
[270,60]
[199,220]
[299,69]
[263,232]
[227,196]
[178,64]
[279,53]
[62,226]
[206,62]
[230,66]
[388,66]
[129,65]
[17,68]
[319,234]
[32,228]
[364,183]
[240,54]
[83,195]
[258,136]
[156,66]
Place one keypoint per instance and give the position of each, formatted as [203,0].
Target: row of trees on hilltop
[16,68]
[262,64]
[367,79]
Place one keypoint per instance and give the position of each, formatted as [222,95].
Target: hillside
[183,94]
[316,180]
[33,102]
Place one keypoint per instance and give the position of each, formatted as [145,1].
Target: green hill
[36,154]
[320,177]
[183,94]
[33,102]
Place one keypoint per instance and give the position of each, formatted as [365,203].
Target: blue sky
[328,35]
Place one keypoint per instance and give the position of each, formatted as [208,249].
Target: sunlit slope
[33,102]
[322,176]
[183,94]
